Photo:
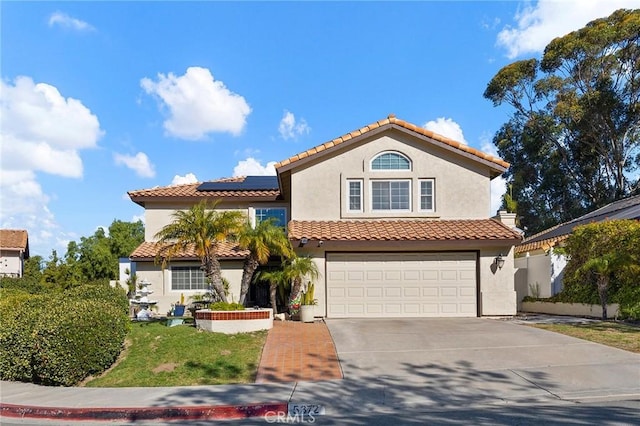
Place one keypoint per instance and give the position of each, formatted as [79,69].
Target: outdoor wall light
[320,243]
[499,261]
[303,241]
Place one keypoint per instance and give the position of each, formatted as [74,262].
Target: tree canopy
[573,138]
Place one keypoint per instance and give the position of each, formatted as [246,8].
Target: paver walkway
[297,351]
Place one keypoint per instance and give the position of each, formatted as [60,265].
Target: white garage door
[401,285]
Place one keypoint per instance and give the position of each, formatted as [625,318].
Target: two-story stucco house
[395,217]
[14,250]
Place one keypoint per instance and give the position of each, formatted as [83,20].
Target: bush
[18,314]
[56,339]
[28,284]
[75,338]
[102,292]
[226,306]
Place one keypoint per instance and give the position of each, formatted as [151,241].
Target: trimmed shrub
[75,338]
[596,240]
[102,292]
[18,314]
[226,306]
[28,284]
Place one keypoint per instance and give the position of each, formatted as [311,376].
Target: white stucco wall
[11,263]
[462,186]
[541,274]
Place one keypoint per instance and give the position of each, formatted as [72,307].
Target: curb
[205,412]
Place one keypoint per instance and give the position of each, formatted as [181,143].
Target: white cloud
[182,180]
[538,24]
[446,127]
[289,128]
[197,104]
[252,167]
[136,218]
[498,185]
[40,131]
[66,21]
[139,163]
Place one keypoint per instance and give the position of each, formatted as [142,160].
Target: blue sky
[102,98]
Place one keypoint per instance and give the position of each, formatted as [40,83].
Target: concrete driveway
[479,360]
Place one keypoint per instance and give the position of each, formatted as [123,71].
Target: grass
[617,335]
[157,355]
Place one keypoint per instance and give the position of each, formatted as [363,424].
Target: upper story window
[390,161]
[279,213]
[354,195]
[391,195]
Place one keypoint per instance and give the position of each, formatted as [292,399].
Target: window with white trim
[188,278]
[391,195]
[278,213]
[354,195]
[391,161]
[426,195]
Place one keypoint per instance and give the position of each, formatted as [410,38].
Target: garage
[378,285]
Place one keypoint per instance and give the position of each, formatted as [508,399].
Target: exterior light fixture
[320,243]
[499,261]
[303,241]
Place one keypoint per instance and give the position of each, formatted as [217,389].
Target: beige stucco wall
[158,215]
[573,309]
[462,186]
[497,293]
[161,282]
[10,263]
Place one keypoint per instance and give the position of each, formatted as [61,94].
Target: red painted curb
[210,412]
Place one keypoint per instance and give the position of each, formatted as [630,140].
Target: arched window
[390,161]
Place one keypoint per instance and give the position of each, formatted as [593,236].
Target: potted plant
[178,308]
[307,304]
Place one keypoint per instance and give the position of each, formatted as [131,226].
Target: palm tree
[276,279]
[201,228]
[604,267]
[263,241]
[296,270]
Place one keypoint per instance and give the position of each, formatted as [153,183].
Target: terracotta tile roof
[540,244]
[391,120]
[402,230]
[149,250]
[626,208]
[190,190]
[15,239]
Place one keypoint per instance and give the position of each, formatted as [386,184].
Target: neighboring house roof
[234,187]
[403,230]
[15,240]
[149,250]
[392,122]
[627,208]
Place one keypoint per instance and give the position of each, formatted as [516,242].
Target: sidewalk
[293,352]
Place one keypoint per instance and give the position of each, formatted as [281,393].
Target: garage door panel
[397,284]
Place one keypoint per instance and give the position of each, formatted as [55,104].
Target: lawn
[618,335]
[157,355]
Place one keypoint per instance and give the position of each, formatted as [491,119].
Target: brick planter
[232,322]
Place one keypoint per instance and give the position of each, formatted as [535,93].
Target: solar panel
[250,183]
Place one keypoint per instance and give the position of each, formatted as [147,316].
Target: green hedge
[226,306]
[60,338]
[103,292]
[18,314]
[75,338]
[596,240]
